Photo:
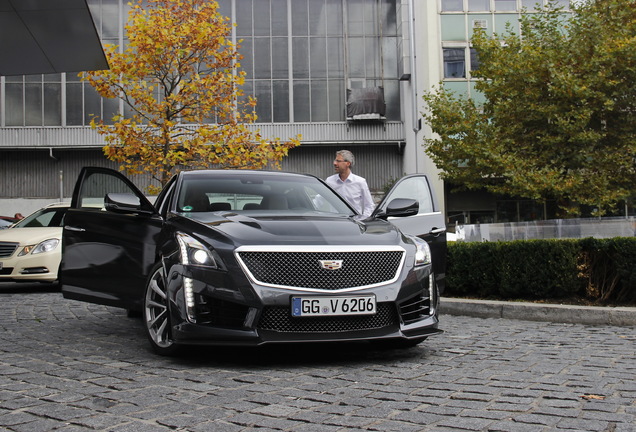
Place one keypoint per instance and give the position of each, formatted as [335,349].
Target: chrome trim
[319,248]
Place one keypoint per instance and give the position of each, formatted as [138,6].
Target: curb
[567,314]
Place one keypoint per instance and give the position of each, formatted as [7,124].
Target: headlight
[194,253]
[45,246]
[423,251]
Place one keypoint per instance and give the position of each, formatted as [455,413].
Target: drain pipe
[416,127]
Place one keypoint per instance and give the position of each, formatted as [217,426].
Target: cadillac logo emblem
[330,264]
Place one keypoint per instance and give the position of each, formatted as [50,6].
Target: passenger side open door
[426,223]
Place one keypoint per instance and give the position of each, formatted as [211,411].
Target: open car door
[108,246]
[426,222]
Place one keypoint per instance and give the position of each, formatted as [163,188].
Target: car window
[51,217]
[414,188]
[95,187]
[249,194]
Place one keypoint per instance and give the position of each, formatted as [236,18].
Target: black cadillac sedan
[239,257]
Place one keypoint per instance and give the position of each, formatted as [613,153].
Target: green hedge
[599,270]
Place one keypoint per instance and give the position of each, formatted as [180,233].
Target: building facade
[306,62]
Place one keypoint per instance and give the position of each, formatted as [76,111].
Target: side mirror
[123,203]
[400,207]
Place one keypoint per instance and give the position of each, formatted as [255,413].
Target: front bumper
[40,267]
[257,315]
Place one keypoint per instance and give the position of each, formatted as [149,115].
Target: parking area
[73,366]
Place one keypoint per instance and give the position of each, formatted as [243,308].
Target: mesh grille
[7,249]
[279,319]
[303,269]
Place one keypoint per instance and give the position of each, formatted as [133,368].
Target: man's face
[340,165]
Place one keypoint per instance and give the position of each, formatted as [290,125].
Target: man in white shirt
[351,187]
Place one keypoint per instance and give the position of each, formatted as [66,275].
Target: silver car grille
[7,249]
[312,269]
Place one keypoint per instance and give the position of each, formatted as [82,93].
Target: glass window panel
[335,57]
[92,104]
[454,63]
[33,104]
[300,16]
[478,5]
[336,100]
[243,17]
[73,77]
[372,56]
[317,18]
[389,17]
[452,5]
[263,20]
[247,62]
[279,17]
[264,101]
[370,19]
[262,58]
[355,17]
[14,104]
[392,99]
[300,57]
[319,107]
[111,108]
[110,22]
[505,5]
[356,57]
[318,57]
[280,66]
[474,59]
[281,101]
[52,104]
[33,78]
[248,90]
[334,12]
[225,7]
[453,27]
[14,79]
[389,54]
[74,112]
[301,101]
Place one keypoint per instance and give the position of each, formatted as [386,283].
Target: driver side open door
[108,250]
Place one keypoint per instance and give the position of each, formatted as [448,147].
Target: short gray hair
[347,156]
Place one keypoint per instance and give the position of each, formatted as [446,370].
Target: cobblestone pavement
[71,366]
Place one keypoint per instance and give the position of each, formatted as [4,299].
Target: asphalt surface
[72,366]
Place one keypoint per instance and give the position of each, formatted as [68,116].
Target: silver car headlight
[422,252]
[45,246]
[193,252]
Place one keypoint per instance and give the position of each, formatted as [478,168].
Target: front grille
[7,249]
[279,319]
[300,269]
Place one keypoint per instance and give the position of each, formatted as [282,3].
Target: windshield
[48,217]
[267,193]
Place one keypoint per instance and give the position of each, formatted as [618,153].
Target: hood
[28,236]
[300,230]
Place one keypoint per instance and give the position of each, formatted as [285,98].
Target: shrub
[602,270]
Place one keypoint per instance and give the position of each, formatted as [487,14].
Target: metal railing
[549,229]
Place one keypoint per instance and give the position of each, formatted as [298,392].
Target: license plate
[333,306]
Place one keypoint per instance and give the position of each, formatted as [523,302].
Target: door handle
[72,228]
[437,231]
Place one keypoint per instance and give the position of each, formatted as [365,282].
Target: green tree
[559,116]
[180,80]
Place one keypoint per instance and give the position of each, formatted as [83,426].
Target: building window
[452,5]
[454,63]
[33,100]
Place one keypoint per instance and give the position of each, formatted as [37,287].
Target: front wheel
[157,315]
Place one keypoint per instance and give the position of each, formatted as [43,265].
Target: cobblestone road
[71,366]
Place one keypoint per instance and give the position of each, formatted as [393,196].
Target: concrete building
[308,62]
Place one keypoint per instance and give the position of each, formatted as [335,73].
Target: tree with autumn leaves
[559,117]
[179,76]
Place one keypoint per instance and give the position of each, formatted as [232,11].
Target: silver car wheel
[156,313]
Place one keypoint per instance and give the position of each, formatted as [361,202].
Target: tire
[156,314]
